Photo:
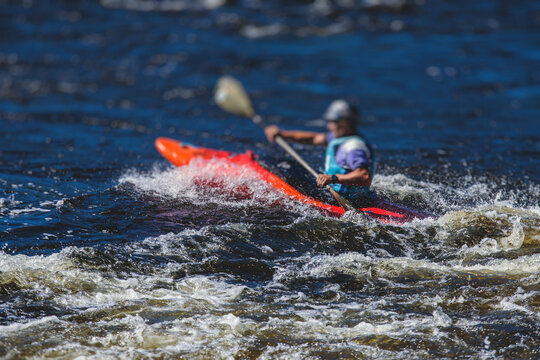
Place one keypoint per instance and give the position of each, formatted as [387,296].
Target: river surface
[107,251]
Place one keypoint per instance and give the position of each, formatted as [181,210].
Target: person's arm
[357,177]
[300,136]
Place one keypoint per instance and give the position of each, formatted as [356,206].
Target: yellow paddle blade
[231,96]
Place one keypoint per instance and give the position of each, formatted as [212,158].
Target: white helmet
[341,110]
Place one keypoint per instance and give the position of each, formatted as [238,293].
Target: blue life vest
[331,166]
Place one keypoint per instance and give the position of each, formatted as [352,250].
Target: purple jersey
[352,154]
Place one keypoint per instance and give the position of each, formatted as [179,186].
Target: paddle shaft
[281,142]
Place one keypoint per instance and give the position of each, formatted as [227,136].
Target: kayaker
[348,164]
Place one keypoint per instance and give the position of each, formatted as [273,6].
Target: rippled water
[109,252]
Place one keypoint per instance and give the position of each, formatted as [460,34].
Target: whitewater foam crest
[488,229]
[173,244]
[471,192]
[22,263]
[366,268]
[327,324]
[520,301]
[56,277]
[19,327]
[212,181]
[402,189]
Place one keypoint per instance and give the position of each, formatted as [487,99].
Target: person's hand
[271,131]
[323,180]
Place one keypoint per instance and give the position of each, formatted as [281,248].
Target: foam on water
[154,314]
[470,192]
[214,181]
[401,188]
[364,268]
[13,207]
[108,302]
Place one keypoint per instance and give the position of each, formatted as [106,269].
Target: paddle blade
[231,96]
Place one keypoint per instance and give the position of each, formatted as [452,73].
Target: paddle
[231,97]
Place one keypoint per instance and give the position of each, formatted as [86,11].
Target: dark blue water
[108,251]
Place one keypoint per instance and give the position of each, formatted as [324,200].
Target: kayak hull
[181,154]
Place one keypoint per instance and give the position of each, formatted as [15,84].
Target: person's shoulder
[355,143]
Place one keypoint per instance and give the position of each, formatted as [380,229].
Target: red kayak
[180,155]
